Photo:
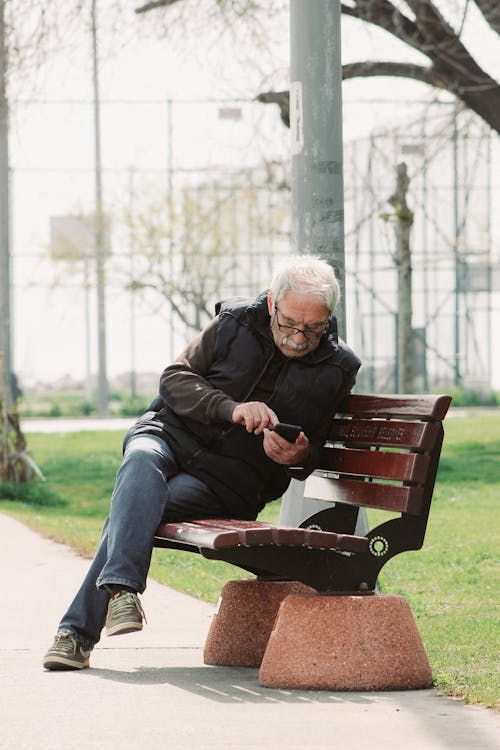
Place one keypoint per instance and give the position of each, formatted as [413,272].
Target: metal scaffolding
[220,195]
[455,249]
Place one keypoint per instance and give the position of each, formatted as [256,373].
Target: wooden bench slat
[289,536]
[406,467]
[369,494]
[316,539]
[249,532]
[344,542]
[195,534]
[221,534]
[385,433]
[431,407]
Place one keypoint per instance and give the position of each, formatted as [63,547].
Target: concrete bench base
[345,643]
[244,620]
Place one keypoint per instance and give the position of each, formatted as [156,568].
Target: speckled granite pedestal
[244,619]
[345,643]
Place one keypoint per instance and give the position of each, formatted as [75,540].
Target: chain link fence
[197,196]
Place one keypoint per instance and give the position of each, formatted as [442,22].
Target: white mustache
[293,344]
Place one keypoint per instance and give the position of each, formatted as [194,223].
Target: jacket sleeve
[315,447]
[309,465]
[184,387]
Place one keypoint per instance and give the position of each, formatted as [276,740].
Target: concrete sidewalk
[151,689]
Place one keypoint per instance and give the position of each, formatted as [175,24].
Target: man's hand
[283,452]
[254,416]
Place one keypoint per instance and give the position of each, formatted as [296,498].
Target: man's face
[297,310]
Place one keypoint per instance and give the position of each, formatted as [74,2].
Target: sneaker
[125,614]
[66,653]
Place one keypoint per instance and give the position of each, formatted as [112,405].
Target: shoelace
[121,605]
[64,642]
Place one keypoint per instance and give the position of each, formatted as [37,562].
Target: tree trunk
[5,273]
[16,464]
[4,419]
[403,221]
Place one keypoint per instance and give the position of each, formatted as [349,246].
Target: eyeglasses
[309,333]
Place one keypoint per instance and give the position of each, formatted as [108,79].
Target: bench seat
[221,534]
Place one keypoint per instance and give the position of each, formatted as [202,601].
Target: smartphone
[289,431]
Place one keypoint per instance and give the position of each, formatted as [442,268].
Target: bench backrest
[382,453]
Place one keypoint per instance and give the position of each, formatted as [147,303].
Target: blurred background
[151,122]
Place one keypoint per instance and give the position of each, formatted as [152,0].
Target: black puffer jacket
[307,391]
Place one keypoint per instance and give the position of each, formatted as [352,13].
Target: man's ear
[270,303]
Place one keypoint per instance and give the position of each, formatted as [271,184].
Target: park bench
[382,454]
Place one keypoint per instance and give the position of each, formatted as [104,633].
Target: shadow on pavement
[224,685]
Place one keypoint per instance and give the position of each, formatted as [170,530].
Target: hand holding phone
[288,431]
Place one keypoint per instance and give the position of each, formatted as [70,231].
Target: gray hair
[308,274]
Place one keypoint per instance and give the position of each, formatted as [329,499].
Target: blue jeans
[149,489]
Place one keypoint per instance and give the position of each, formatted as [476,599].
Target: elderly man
[207,447]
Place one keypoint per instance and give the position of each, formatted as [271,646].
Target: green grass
[80,468]
[451,584]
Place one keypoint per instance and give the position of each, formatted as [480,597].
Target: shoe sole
[59,663]
[124,627]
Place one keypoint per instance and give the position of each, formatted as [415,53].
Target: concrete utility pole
[316,133]
[5,315]
[317,171]
[102,377]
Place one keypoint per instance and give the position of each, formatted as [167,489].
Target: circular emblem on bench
[379,546]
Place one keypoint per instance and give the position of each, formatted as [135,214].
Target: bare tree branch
[491,12]
[360,70]
[382,13]
[452,67]
[154,5]
[282,99]
[392,69]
